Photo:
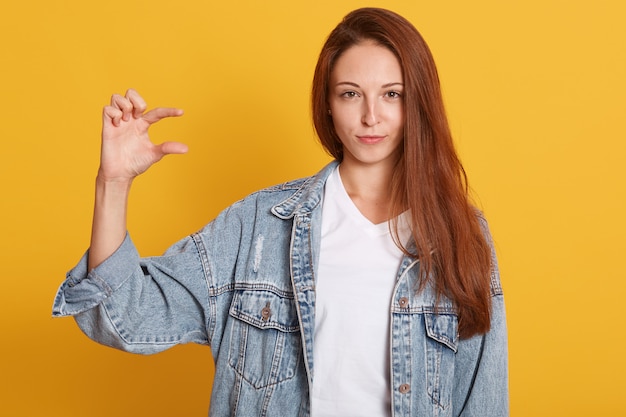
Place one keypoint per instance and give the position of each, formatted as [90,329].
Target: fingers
[132,104]
[122,104]
[113,114]
[122,108]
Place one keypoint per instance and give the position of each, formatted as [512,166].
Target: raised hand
[126,147]
[126,152]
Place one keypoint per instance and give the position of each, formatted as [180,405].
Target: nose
[370,116]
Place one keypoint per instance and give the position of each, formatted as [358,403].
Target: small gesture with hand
[126,147]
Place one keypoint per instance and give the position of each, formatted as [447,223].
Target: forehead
[368,61]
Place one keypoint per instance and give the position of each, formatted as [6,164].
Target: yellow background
[535,92]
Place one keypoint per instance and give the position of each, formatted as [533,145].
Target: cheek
[399,120]
[397,113]
[340,130]
[343,121]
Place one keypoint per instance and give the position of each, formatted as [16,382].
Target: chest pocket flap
[443,328]
[265,310]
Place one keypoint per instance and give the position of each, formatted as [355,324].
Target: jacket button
[404,388]
[403,302]
[266,312]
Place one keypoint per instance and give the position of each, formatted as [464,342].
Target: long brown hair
[429,179]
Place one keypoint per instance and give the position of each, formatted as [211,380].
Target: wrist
[111,189]
[102,179]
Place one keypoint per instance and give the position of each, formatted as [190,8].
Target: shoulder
[285,199]
[278,190]
[269,196]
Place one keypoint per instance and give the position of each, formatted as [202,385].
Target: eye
[349,94]
[393,94]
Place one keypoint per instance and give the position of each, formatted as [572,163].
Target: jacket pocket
[441,347]
[265,346]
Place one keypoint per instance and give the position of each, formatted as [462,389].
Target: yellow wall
[535,91]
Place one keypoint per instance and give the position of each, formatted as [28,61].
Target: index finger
[159,113]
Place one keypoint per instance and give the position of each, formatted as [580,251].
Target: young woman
[369,289]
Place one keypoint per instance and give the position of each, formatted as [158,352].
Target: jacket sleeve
[140,305]
[481,371]
[481,382]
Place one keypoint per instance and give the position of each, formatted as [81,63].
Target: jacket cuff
[83,289]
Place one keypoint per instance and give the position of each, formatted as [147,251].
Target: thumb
[167,148]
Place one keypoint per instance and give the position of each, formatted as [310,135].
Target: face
[366,104]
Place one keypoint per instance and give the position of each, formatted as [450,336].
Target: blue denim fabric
[245,285]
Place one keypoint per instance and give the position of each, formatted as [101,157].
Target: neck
[369,187]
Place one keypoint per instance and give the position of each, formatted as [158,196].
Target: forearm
[109,219]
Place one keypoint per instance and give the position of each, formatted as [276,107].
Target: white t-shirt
[357,272]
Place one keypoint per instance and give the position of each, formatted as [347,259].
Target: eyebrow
[350,83]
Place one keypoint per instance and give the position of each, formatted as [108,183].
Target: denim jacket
[245,285]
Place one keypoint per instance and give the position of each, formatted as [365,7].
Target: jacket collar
[306,197]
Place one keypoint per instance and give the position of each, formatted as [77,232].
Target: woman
[369,289]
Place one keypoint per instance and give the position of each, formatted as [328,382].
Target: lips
[370,139]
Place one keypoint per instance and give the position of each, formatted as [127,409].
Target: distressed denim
[245,286]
